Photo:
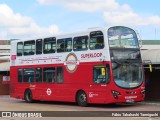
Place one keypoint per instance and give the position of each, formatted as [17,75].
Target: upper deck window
[49,45]
[96,40]
[60,45]
[80,43]
[19,48]
[68,44]
[39,46]
[64,45]
[29,47]
[122,37]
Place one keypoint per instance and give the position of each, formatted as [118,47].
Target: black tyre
[81,98]
[28,96]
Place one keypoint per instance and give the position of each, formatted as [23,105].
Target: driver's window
[101,74]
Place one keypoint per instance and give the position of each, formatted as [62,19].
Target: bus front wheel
[82,98]
[28,96]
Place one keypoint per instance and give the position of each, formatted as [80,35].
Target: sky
[42,18]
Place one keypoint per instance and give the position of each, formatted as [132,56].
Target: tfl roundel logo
[71,63]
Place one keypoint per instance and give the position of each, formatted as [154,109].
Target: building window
[39,46]
[20,75]
[80,43]
[4,42]
[101,74]
[96,40]
[49,45]
[29,75]
[7,42]
[19,48]
[59,75]
[49,75]
[38,75]
[29,47]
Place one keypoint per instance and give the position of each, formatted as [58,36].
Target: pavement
[150,103]
[153,105]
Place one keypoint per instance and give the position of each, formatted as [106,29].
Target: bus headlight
[115,93]
[143,92]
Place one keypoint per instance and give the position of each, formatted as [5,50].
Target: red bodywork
[81,79]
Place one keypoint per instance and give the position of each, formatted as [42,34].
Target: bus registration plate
[130,101]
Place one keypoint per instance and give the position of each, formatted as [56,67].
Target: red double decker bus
[100,66]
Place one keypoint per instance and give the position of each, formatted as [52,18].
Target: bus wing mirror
[148,62]
[150,67]
[139,40]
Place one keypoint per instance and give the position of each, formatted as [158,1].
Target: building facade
[150,52]
[4,66]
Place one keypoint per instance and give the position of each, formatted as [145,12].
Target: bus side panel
[36,90]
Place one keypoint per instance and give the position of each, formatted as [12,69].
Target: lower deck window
[59,75]
[38,75]
[49,75]
[101,74]
[29,75]
[20,75]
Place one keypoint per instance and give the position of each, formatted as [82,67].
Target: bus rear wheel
[82,99]
[28,96]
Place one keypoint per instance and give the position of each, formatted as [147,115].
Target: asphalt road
[72,111]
